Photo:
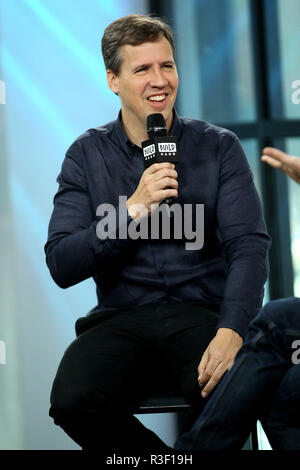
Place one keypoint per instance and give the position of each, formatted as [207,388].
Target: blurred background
[237,61]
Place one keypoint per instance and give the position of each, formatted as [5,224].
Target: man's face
[147,82]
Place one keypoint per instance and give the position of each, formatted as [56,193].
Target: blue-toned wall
[55,83]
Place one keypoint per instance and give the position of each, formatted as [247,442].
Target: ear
[112,81]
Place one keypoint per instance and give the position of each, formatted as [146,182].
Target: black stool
[166,400]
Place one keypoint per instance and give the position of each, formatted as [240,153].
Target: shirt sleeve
[244,238]
[74,250]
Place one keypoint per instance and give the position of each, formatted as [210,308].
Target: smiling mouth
[158,99]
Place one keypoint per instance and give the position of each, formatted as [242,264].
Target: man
[264,382]
[190,309]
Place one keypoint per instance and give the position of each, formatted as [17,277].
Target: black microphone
[159,147]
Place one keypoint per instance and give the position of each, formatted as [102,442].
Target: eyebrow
[165,62]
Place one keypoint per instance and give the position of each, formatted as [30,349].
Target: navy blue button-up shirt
[229,271]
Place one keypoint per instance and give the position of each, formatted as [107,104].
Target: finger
[214,380]
[165,193]
[210,369]
[166,187]
[276,154]
[158,166]
[289,169]
[165,173]
[271,161]
[202,367]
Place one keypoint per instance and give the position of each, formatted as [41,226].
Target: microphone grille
[156,124]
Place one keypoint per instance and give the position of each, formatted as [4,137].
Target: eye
[142,69]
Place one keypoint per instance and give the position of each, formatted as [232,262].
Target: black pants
[106,366]
[264,384]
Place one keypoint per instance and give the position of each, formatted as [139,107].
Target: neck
[137,132]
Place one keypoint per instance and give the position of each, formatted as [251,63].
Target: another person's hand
[218,358]
[289,164]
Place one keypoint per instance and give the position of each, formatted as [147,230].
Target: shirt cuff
[236,316]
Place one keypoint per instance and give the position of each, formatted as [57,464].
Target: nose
[158,79]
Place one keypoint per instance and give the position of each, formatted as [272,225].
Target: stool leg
[253,434]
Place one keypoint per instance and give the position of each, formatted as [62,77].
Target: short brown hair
[134,30]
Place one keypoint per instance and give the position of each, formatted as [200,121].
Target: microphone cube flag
[160,149]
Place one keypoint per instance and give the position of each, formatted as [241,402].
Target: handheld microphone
[159,147]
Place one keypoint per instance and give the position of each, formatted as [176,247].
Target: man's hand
[218,358]
[287,163]
[157,183]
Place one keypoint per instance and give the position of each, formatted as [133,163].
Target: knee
[69,404]
[279,316]
[282,312]
[65,405]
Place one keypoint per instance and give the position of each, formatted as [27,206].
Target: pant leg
[281,422]
[244,392]
[95,379]
[188,330]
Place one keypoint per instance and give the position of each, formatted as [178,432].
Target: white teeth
[157,98]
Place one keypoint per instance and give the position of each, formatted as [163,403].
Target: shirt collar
[128,146]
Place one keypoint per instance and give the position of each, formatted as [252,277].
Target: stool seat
[161,402]
[168,401]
